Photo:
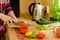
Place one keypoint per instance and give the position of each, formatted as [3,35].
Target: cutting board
[14,34]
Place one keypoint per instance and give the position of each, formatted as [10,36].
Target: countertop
[14,34]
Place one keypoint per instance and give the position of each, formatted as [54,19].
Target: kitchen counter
[14,34]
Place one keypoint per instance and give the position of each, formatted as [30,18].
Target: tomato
[23,27]
[41,35]
[57,29]
[23,31]
[58,32]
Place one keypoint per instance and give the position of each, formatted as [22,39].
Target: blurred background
[25,9]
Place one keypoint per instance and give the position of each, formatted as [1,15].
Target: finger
[14,20]
[10,21]
[5,22]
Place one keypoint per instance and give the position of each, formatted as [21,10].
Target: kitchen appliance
[36,10]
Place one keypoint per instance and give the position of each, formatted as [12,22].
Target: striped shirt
[5,6]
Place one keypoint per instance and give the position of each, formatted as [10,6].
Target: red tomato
[58,34]
[57,29]
[24,27]
[23,30]
[41,35]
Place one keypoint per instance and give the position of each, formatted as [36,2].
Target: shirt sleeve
[8,7]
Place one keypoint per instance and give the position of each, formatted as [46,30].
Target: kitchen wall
[24,4]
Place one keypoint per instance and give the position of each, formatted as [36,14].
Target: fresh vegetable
[23,27]
[41,35]
[58,32]
[55,10]
[42,27]
[34,35]
[44,21]
[28,33]
[23,31]
[57,29]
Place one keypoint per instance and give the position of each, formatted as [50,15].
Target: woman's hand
[6,19]
[11,14]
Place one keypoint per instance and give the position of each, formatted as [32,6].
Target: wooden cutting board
[14,34]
